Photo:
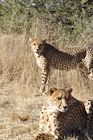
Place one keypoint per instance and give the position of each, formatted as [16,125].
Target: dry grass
[19,85]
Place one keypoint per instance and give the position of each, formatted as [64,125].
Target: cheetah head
[89,106]
[37,45]
[59,99]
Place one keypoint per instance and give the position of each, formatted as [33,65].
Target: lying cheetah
[47,56]
[89,110]
[62,116]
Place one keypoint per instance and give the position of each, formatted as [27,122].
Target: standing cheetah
[62,115]
[89,110]
[47,56]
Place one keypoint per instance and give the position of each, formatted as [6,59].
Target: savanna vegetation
[64,24]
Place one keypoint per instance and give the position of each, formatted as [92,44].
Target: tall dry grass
[20,82]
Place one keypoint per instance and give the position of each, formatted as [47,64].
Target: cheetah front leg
[44,79]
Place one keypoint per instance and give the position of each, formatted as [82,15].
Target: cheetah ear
[52,90]
[69,90]
[44,41]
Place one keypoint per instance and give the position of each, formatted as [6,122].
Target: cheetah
[89,110]
[62,115]
[48,56]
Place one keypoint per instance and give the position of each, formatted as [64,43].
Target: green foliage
[73,16]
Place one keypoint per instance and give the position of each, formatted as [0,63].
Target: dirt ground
[19,115]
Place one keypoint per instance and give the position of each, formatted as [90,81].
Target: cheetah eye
[59,98]
[40,45]
[88,103]
[34,44]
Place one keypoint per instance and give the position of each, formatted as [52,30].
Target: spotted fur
[44,136]
[88,62]
[48,56]
[62,115]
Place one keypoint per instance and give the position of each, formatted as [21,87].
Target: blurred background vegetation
[73,17]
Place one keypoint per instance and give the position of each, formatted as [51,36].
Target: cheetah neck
[52,108]
[37,55]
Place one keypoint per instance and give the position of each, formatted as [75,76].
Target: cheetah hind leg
[90,75]
[89,69]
